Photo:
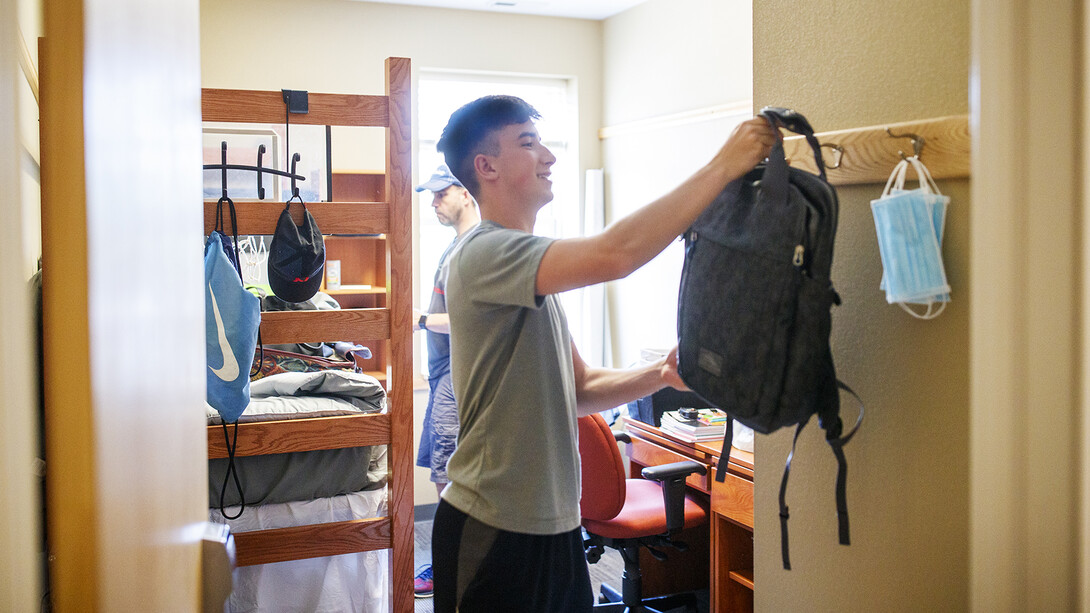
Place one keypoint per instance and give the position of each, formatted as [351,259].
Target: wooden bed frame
[392,218]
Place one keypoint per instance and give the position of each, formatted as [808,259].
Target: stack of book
[697,425]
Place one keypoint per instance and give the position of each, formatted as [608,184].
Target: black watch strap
[422,323]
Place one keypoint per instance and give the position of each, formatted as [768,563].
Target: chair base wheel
[610,601]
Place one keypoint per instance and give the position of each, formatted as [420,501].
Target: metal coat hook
[917,143]
[260,189]
[839,155]
[223,162]
[261,170]
[294,190]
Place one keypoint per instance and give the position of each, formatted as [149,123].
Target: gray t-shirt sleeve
[501,268]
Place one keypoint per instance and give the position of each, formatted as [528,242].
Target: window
[440,93]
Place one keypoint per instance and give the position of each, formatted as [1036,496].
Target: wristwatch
[422,323]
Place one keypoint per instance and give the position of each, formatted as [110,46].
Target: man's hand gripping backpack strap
[794,122]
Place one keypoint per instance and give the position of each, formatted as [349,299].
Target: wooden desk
[731,550]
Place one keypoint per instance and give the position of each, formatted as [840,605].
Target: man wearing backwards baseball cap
[455,208]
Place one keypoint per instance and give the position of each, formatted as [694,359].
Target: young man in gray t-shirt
[506,534]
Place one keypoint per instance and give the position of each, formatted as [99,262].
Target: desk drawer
[733,498]
[645,453]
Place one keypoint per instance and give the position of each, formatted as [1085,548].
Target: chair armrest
[672,477]
[673,470]
[622,437]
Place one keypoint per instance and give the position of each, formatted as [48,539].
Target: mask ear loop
[896,178]
[928,314]
[928,185]
[927,182]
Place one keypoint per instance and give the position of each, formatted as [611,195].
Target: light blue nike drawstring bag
[232,317]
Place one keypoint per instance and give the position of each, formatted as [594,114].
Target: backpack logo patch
[710,362]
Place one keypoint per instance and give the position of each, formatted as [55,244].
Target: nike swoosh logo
[229,371]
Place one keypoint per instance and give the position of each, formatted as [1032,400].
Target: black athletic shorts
[481,569]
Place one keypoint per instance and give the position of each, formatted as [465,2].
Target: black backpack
[754,306]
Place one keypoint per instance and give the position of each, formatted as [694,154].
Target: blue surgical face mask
[938,214]
[910,225]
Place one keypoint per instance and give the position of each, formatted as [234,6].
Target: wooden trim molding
[868,154]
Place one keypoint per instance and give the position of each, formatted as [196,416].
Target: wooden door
[123,307]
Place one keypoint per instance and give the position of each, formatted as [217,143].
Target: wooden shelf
[349,291]
[378,374]
[363,262]
[744,577]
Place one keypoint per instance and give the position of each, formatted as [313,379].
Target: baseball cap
[296,257]
[439,181]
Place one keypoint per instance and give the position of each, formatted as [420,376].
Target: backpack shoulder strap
[724,455]
[784,515]
[836,442]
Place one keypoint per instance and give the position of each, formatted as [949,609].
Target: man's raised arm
[633,240]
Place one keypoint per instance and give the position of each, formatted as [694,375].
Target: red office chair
[625,514]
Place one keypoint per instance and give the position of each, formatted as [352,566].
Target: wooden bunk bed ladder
[392,218]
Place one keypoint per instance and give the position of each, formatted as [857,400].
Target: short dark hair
[469,130]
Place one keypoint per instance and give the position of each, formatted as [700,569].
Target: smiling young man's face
[524,164]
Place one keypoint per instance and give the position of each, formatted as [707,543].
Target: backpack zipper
[799,252]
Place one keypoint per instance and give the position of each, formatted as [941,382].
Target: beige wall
[853,64]
[339,46]
[700,59]
[20,546]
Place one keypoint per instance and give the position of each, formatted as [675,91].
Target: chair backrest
[602,468]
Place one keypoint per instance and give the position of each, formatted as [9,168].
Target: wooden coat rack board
[868,155]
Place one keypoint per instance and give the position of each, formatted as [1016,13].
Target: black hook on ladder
[223,162]
[294,190]
[260,189]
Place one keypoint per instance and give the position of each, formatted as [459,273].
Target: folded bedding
[306,475]
[325,393]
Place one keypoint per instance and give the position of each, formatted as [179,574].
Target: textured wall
[851,64]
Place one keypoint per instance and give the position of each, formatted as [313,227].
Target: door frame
[1028,414]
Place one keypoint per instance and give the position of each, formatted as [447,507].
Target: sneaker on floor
[422,584]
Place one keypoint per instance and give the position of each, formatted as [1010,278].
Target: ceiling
[579,9]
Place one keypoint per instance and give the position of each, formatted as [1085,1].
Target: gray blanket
[304,475]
